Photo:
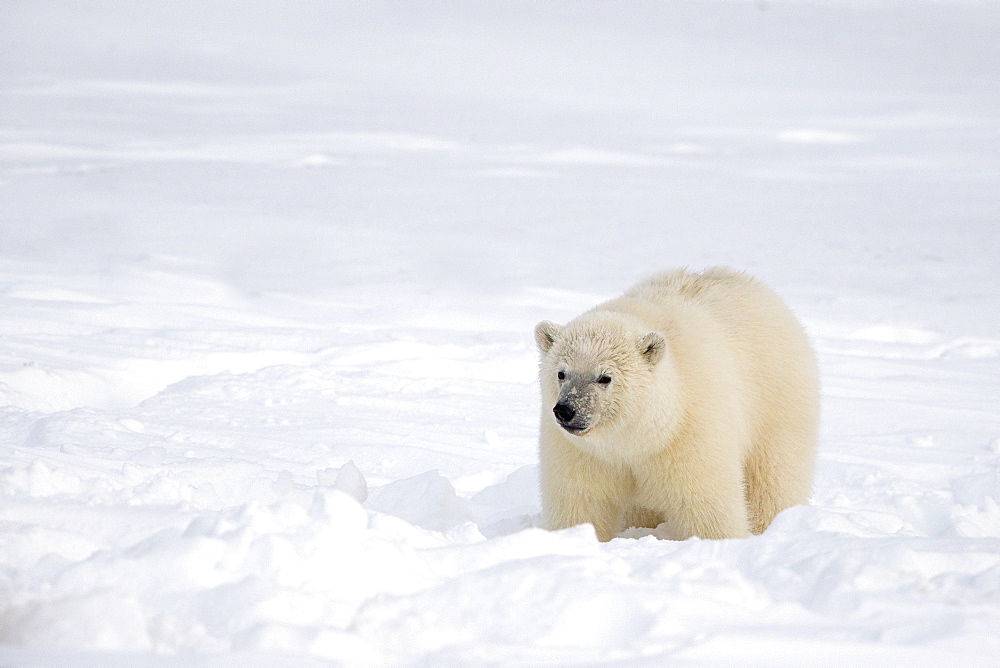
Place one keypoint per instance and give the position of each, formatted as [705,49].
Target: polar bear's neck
[651,426]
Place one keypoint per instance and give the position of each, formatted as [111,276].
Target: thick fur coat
[690,403]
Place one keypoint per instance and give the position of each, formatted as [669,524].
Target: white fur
[695,402]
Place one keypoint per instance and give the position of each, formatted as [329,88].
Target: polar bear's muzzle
[569,418]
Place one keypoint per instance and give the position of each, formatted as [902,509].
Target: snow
[269,272]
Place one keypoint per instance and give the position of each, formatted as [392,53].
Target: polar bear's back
[717,287]
[744,308]
[775,368]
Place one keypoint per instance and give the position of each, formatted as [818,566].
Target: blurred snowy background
[268,273]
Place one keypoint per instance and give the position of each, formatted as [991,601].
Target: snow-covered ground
[269,271]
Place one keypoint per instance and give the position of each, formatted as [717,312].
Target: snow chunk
[427,500]
[350,481]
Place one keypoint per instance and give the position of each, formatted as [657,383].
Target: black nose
[564,413]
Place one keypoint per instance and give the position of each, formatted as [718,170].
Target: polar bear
[690,403]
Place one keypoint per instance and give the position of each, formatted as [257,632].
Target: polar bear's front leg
[697,498]
[577,489]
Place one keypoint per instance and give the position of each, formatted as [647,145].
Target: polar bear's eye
[604,379]
[561,375]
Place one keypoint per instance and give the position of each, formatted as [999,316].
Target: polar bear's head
[597,372]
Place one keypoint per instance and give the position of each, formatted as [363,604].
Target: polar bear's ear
[545,335]
[653,345]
